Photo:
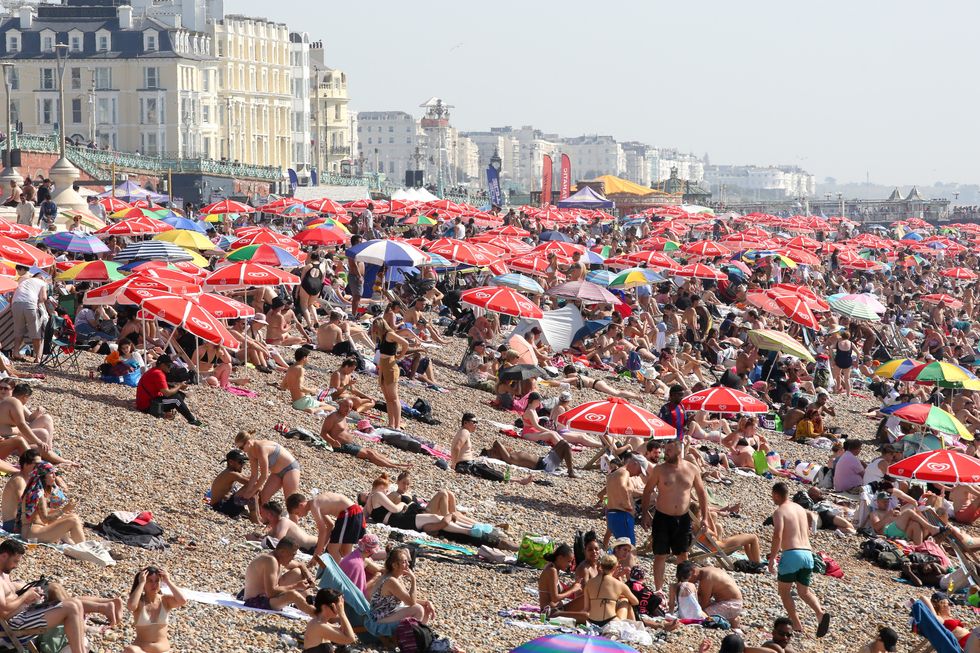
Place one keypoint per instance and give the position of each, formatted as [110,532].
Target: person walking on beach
[791,536]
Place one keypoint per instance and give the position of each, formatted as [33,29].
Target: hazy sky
[840,87]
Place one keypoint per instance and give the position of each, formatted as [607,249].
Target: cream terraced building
[255,100]
[131,84]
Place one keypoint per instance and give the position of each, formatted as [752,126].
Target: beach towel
[226,600]
[240,392]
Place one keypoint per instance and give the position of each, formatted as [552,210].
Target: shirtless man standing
[339,521]
[278,525]
[717,592]
[673,481]
[281,319]
[620,512]
[294,380]
[791,535]
[334,432]
[342,386]
[274,580]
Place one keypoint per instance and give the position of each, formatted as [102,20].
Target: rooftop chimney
[125,13]
[26,17]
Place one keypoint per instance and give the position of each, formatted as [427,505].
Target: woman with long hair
[151,610]
[394,596]
[391,347]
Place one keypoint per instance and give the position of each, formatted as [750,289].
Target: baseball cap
[620,541]
[236,455]
[889,639]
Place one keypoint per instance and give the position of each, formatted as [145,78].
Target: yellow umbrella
[186,238]
[779,341]
[196,258]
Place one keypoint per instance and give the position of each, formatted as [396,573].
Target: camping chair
[935,636]
[705,547]
[61,344]
[967,561]
[355,603]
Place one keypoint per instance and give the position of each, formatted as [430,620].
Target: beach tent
[613,185]
[585,198]
[129,191]
[413,195]
[557,327]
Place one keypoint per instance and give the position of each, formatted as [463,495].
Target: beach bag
[832,569]
[824,478]
[402,441]
[634,362]
[533,550]
[423,407]
[807,472]
[90,551]
[771,421]
[53,641]
[761,464]
[413,637]
[819,566]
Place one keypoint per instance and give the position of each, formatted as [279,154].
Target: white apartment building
[331,122]
[389,142]
[522,151]
[255,90]
[760,181]
[593,156]
[131,83]
[300,119]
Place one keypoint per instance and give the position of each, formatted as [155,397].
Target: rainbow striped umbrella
[573,643]
[928,415]
[92,271]
[635,277]
[945,375]
[896,368]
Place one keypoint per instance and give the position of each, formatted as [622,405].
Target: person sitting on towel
[274,580]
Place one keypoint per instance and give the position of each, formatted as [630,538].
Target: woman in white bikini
[151,610]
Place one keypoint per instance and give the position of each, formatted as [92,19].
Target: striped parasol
[152,250]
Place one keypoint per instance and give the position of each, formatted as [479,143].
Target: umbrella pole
[197,369]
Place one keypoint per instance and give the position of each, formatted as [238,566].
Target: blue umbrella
[388,252]
[554,235]
[184,223]
[518,282]
[75,242]
[912,236]
[592,327]
[600,277]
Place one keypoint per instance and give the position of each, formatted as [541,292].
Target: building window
[369,141]
[105,111]
[47,79]
[391,140]
[336,115]
[151,77]
[46,112]
[13,43]
[75,43]
[391,129]
[150,44]
[103,79]
[150,144]
[76,79]
[149,114]
[76,111]
[102,43]
[408,141]
[13,76]
[205,114]
[206,81]
[47,44]
[15,112]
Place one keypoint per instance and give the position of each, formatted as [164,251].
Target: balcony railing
[342,150]
[104,160]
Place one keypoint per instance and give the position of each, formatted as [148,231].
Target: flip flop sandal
[544,482]
[824,626]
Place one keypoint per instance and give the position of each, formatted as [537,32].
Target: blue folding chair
[936,637]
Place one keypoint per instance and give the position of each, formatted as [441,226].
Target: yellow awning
[615,185]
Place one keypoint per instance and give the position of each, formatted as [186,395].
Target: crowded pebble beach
[710,446]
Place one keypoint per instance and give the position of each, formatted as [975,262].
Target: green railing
[103,161]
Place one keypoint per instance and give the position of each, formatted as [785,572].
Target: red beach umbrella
[617,417]
[724,400]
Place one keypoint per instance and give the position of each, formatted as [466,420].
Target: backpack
[803,500]
[413,637]
[423,407]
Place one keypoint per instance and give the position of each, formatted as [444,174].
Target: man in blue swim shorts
[791,535]
[620,517]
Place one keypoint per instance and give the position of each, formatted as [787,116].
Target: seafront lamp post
[63,173]
[9,171]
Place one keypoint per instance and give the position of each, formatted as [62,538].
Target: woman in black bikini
[310,287]
[843,361]
[330,624]
[606,598]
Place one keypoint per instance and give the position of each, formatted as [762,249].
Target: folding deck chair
[22,641]
[61,344]
[705,547]
[935,636]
